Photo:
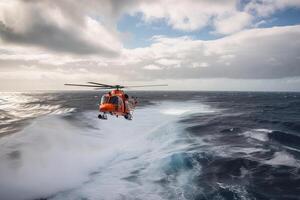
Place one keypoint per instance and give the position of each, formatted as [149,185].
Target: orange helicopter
[115,102]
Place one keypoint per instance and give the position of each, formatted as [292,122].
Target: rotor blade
[146,85]
[100,84]
[102,88]
[83,85]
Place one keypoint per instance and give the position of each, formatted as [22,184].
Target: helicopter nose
[106,107]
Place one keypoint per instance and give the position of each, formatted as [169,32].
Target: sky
[231,45]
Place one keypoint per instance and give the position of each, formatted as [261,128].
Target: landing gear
[128,116]
[102,116]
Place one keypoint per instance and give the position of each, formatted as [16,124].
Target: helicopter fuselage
[116,103]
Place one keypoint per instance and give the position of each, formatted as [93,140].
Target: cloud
[197,64]
[186,15]
[91,28]
[223,16]
[168,62]
[152,67]
[235,56]
[233,23]
[41,24]
[268,7]
[80,41]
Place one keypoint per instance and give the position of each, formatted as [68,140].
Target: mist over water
[178,146]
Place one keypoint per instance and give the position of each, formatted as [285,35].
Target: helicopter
[115,102]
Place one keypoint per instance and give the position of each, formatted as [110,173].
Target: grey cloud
[43,30]
[52,37]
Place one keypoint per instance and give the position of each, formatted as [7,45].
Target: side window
[104,99]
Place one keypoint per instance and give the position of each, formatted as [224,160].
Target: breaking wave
[64,158]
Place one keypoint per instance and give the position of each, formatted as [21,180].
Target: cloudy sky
[191,44]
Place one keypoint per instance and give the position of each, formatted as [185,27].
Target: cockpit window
[114,100]
[104,99]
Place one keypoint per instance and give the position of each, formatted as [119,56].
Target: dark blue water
[180,145]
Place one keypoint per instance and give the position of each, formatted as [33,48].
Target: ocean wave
[90,162]
[285,138]
[258,134]
[17,108]
[233,146]
[283,158]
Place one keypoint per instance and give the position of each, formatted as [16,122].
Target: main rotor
[100,86]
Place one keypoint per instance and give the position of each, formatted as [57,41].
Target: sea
[179,145]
